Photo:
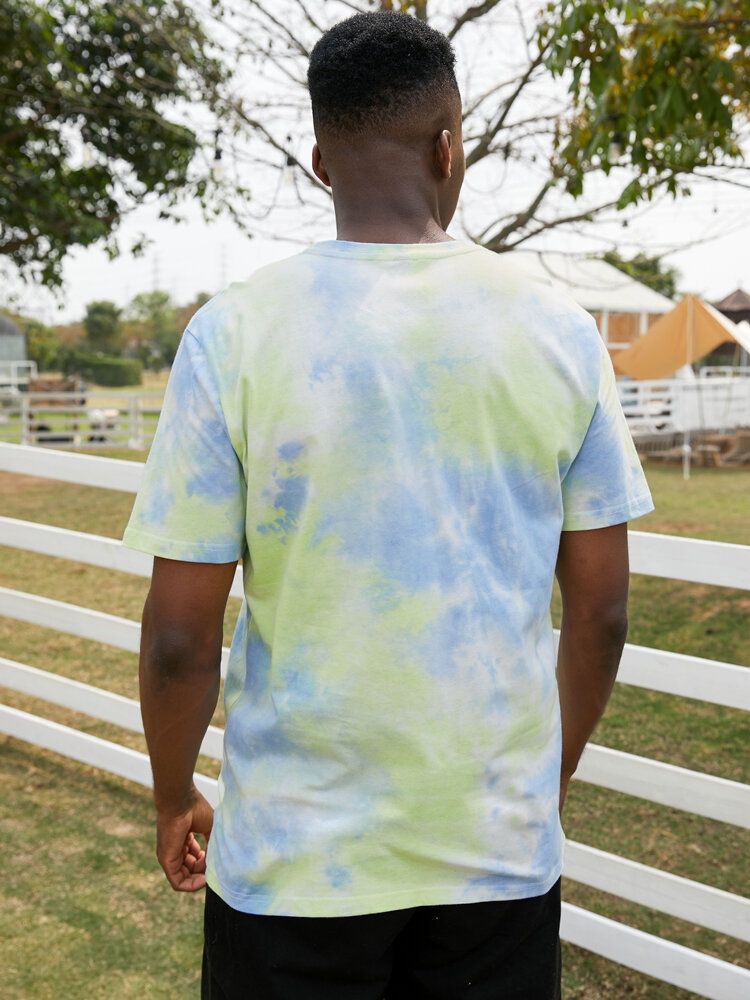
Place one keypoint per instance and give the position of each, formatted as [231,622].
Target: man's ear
[444,154]
[319,167]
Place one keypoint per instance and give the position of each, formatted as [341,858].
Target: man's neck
[393,224]
[391,233]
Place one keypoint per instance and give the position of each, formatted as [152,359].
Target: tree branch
[472,14]
[354,6]
[564,219]
[718,22]
[483,145]
[302,49]
[308,16]
[521,218]
[288,154]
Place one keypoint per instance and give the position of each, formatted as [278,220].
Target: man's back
[394,435]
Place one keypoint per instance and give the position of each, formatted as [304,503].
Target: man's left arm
[179,674]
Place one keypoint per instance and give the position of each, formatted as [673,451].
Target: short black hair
[371,70]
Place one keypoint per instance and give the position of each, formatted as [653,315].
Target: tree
[154,328]
[648,270]
[91,96]
[660,83]
[648,93]
[102,325]
[641,94]
[42,344]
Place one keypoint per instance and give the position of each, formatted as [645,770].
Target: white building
[622,307]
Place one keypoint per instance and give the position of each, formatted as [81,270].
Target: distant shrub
[102,369]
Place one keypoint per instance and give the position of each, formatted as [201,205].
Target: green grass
[85,912]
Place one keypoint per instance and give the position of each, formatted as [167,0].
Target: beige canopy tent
[690,331]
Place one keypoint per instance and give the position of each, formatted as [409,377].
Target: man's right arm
[593,573]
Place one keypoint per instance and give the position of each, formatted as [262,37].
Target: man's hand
[178,850]
[180,672]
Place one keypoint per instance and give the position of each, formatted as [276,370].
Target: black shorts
[497,950]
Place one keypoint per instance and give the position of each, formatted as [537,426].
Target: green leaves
[648,270]
[102,324]
[88,95]
[155,323]
[670,76]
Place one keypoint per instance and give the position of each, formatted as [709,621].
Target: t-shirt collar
[391,251]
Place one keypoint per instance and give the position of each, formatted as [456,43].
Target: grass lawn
[85,911]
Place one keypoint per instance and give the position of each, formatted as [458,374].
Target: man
[403,440]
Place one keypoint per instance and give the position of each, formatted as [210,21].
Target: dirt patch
[119,828]
[12,482]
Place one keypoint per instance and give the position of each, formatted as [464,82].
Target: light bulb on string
[217,167]
[614,152]
[287,174]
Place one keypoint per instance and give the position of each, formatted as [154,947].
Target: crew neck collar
[391,251]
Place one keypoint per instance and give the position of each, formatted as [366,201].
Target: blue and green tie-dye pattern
[393,435]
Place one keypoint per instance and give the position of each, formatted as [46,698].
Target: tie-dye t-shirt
[391,437]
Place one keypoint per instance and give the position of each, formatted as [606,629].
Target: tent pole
[686,449]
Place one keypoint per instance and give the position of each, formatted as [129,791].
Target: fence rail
[14,375]
[719,400]
[665,406]
[82,419]
[684,898]
[676,787]
[693,560]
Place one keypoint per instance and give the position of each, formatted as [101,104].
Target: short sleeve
[605,484]
[192,499]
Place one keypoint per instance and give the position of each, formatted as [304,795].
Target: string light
[287,176]
[217,169]
[615,147]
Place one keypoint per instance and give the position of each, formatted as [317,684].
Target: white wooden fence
[718,401]
[15,375]
[670,406]
[695,560]
[100,419]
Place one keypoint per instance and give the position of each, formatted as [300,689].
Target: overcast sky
[706,234]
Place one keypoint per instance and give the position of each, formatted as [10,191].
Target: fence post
[25,419]
[135,424]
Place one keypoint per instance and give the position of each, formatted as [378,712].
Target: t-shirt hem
[636,507]
[171,548]
[398,899]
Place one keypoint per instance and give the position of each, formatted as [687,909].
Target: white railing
[14,374]
[669,406]
[82,419]
[696,560]
[723,371]
[102,419]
